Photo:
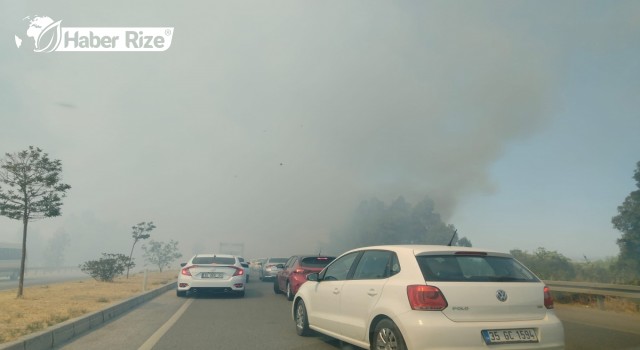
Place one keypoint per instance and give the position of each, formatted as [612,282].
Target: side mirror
[183,264]
[312,276]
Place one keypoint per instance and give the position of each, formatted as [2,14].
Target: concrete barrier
[61,333]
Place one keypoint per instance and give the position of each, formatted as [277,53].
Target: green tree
[108,267]
[140,232]
[30,189]
[548,265]
[161,254]
[628,222]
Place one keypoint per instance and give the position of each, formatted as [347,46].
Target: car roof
[215,255]
[424,248]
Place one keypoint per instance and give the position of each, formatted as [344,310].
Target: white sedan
[429,297]
[211,273]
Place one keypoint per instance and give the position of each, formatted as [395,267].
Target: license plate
[506,336]
[212,275]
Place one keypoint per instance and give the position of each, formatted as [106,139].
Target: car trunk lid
[493,301]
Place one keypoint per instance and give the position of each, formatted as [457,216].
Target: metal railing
[598,290]
[604,289]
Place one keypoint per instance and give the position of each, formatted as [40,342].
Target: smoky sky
[268,122]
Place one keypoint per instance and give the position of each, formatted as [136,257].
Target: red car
[294,273]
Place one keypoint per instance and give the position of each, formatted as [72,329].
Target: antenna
[455,232]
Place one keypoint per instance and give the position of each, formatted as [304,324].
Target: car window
[339,268]
[395,265]
[291,261]
[473,268]
[316,261]
[374,264]
[278,260]
[213,260]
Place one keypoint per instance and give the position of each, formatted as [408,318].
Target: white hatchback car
[211,273]
[429,297]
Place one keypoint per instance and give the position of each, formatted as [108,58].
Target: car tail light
[239,272]
[548,299]
[299,270]
[428,298]
[185,271]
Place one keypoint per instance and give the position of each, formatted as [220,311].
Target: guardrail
[599,290]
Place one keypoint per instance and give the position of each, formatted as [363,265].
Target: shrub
[108,267]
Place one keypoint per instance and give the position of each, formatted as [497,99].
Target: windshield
[316,261]
[214,260]
[473,268]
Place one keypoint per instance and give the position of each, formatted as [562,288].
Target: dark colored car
[294,273]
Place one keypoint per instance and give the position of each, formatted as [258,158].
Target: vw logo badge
[501,295]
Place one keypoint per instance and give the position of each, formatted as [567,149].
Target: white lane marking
[155,337]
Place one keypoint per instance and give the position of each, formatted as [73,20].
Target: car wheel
[387,336]
[302,322]
[181,293]
[276,288]
[241,294]
[289,292]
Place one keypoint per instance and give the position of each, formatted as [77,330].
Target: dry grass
[46,305]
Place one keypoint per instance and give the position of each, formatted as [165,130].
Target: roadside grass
[46,305]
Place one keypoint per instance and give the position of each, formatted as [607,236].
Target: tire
[302,321]
[240,294]
[276,288]
[387,336]
[289,292]
[181,293]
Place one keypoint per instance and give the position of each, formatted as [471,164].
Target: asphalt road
[262,320]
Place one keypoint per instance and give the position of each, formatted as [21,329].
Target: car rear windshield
[213,260]
[278,260]
[473,268]
[316,261]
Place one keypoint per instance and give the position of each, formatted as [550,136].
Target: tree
[374,223]
[138,233]
[161,254]
[31,189]
[108,267]
[548,265]
[628,222]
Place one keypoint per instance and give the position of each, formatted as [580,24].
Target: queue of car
[405,297]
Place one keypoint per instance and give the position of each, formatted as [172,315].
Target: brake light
[548,299]
[428,298]
[185,271]
[299,270]
[239,272]
[470,253]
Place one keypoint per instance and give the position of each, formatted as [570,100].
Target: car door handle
[336,291]
[372,292]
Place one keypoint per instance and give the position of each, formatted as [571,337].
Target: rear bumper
[421,331]
[235,284]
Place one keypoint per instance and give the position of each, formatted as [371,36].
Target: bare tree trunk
[25,221]
[130,256]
